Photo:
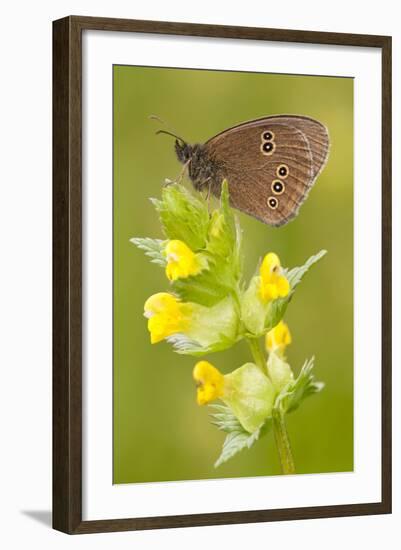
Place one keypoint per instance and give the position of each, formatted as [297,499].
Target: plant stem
[257,354]
[283,443]
[279,427]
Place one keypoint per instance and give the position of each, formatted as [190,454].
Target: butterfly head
[183,150]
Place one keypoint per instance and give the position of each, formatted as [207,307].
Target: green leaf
[297,390]
[277,308]
[225,419]
[154,248]
[296,274]
[183,216]
[237,438]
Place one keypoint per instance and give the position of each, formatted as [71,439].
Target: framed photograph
[222,274]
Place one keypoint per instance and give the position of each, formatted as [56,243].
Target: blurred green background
[160,433]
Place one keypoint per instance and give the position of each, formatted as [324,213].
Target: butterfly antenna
[169,132]
[155,117]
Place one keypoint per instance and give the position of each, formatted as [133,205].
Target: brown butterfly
[270,164]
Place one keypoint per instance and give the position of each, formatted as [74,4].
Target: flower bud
[278,338]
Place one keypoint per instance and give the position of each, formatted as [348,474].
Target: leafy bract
[237,437]
[183,215]
[250,395]
[296,274]
[280,372]
[299,389]
[210,329]
[154,248]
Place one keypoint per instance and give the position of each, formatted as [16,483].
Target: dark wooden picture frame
[67,274]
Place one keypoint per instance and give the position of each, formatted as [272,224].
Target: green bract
[292,395]
[237,437]
[183,216]
[200,338]
[279,371]
[250,395]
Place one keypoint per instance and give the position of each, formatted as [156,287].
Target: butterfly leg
[180,176]
[208,192]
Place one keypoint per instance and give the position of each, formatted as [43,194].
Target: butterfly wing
[316,134]
[270,164]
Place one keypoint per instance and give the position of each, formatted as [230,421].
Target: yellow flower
[278,338]
[181,261]
[273,284]
[166,316]
[209,381]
